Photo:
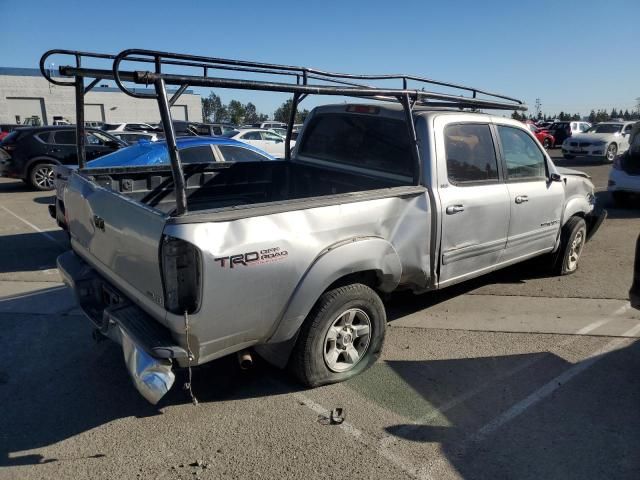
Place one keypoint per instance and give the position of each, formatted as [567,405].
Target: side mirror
[555,177]
[113,144]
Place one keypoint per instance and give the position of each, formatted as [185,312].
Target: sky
[572,55]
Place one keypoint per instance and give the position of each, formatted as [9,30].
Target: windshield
[606,128]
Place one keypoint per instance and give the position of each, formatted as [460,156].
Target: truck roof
[396,111]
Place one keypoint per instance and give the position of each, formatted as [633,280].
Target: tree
[250,114]
[592,116]
[283,113]
[213,109]
[614,113]
[626,115]
[236,112]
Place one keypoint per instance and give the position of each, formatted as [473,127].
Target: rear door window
[470,153]
[271,136]
[240,154]
[523,158]
[65,137]
[199,154]
[251,136]
[366,141]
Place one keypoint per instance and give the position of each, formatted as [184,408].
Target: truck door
[535,202]
[474,201]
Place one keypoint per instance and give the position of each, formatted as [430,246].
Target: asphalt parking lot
[514,375]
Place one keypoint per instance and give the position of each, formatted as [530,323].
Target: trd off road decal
[268,255]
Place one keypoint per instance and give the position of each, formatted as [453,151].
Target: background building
[25,93]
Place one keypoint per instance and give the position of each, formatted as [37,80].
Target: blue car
[192,150]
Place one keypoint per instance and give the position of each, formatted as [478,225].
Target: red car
[544,137]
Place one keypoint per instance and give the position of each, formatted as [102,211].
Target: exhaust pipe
[245,359]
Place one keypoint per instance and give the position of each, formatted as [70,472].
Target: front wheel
[341,337]
[41,176]
[612,151]
[572,240]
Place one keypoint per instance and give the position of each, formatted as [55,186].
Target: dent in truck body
[230,316]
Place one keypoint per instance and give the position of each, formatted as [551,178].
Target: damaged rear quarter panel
[253,266]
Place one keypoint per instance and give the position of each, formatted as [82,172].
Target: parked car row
[31,153]
[603,140]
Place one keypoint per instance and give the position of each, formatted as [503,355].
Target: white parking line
[553,385]
[365,439]
[49,237]
[387,440]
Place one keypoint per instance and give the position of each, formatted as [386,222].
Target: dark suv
[31,153]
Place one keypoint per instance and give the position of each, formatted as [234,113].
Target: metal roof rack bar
[326,83]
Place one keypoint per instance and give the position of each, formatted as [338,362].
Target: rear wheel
[342,336]
[572,240]
[41,176]
[612,151]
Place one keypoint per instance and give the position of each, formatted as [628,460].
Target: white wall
[60,101]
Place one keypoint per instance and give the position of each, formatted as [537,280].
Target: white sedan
[624,178]
[604,140]
[266,140]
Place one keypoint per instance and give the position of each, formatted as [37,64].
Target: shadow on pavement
[613,211]
[404,303]
[56,382]
[25,252]
[8,186]
[589,428]
[48,200]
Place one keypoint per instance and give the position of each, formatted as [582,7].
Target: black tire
[307,362]
[569,157]
[41,176]
[610,154]
[546,143]
[620,199]
[566,259]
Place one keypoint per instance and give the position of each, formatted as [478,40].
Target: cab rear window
[367,141]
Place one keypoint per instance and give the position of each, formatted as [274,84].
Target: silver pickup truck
[290,257]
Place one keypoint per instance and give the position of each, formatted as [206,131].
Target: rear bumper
[621,181]
[594,220]
[148,347]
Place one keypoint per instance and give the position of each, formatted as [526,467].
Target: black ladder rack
[308,81]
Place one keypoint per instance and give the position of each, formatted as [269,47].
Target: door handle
[522,199]
[452,209]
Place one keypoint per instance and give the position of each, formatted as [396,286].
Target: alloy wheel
[43,177]
[575,251]
[347,340]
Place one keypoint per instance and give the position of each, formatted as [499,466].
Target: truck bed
[215,187]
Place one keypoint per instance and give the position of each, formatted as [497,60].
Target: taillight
[181,275]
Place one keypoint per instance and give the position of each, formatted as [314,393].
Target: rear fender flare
[340,259]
